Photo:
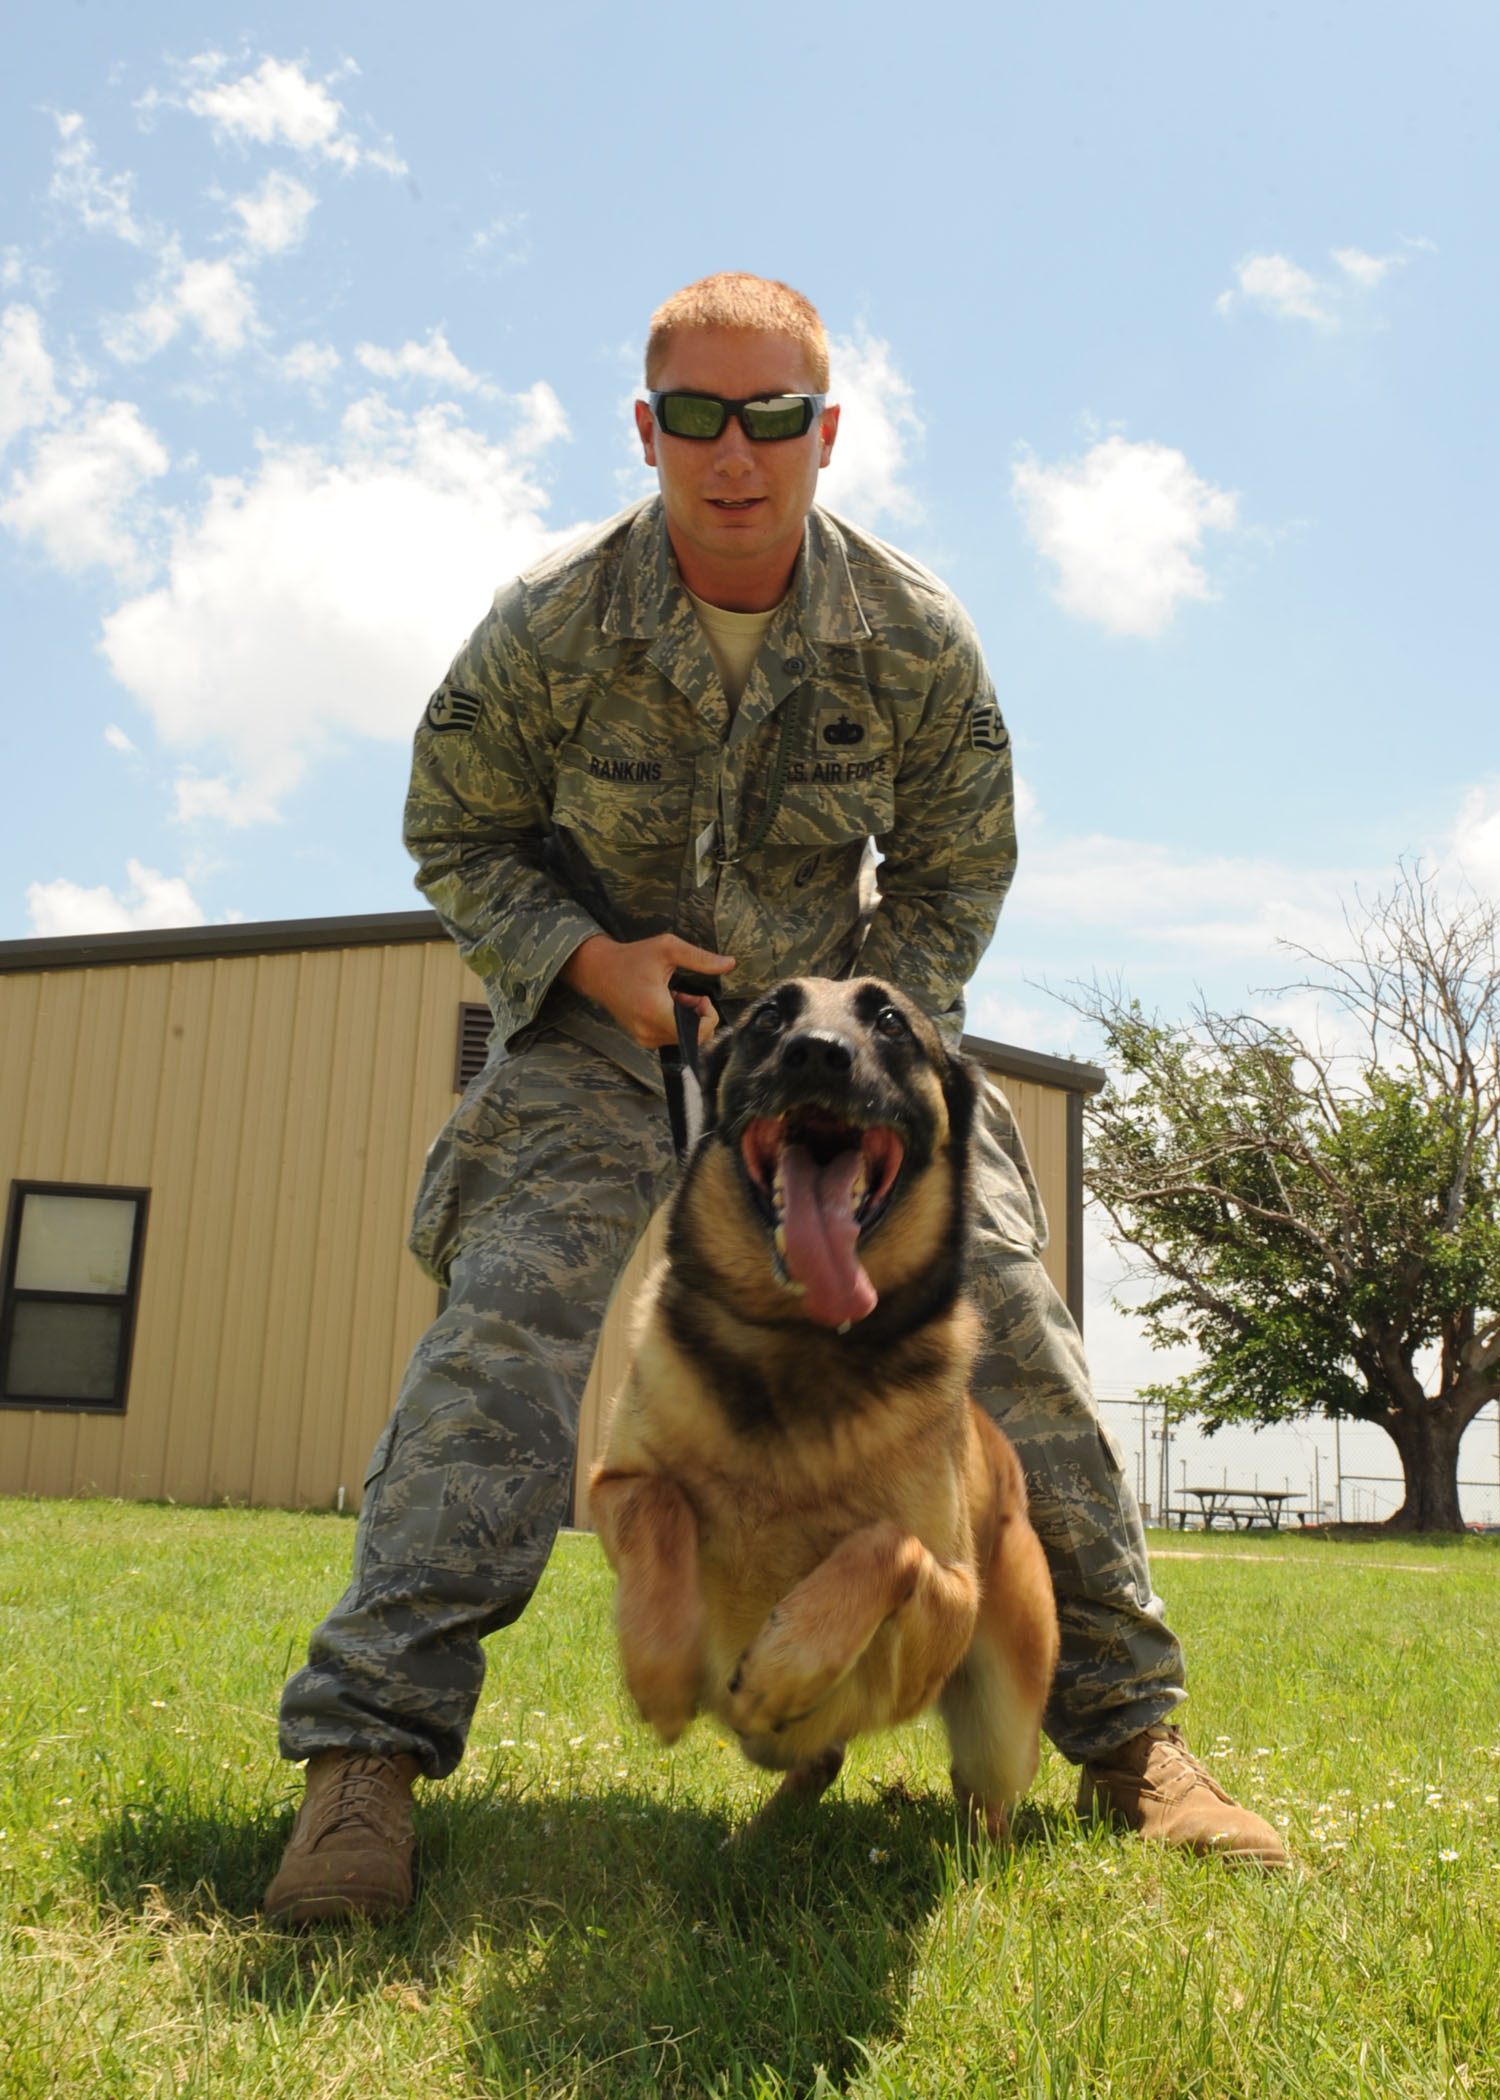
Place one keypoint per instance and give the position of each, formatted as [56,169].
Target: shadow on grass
[631,1949]
[609,1943]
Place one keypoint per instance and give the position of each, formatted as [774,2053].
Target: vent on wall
[474,1027]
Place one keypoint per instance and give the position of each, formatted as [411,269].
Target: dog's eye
[891,1021]
[768,1021]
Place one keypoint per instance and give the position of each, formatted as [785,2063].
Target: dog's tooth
[778,1241]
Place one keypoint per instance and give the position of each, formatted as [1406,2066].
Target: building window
[72,1275]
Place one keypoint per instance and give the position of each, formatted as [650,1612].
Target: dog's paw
[778,1680]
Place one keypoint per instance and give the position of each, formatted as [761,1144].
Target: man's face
[729,501]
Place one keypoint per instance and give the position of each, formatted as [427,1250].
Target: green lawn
[581,1929]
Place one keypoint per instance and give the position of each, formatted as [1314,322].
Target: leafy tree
[1323,1223]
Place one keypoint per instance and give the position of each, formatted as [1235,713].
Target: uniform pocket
[631,794]
[471,1135]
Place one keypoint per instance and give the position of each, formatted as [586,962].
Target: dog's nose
[818,1051]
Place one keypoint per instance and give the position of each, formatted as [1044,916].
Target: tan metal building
[211,1137]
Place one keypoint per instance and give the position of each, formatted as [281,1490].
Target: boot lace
[361,1794]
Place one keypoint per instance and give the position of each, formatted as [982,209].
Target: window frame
[128,1300]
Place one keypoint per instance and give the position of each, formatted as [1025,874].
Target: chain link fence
[1296,1473]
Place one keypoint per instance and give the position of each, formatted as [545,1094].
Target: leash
[679,1069]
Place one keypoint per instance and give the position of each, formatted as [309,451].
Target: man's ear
[645,424]
[711,1070]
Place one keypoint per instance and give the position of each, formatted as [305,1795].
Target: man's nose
[734,451]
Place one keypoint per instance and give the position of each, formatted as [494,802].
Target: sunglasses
[704,415]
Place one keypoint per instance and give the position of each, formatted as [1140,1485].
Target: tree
[1323,1223]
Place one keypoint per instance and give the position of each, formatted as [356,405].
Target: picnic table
[1243,1507]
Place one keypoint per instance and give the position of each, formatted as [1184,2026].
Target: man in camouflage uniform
[613,783]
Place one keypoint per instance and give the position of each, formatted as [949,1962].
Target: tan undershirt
[734,638]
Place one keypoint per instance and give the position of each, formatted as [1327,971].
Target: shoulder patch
[986,730]
[451,709]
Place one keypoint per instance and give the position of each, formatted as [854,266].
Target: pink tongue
[821,1233]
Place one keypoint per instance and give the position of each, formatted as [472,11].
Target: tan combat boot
[1155,1784]
[349,1854]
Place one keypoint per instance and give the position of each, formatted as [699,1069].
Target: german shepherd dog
[815,1530]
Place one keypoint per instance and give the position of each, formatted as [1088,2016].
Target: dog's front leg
[814,1637]
[650,1538]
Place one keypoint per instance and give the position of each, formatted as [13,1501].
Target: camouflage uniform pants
[531,1201]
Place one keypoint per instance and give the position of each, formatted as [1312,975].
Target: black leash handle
[680,1067]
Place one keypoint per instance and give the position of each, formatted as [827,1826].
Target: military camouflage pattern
[579,771]
[531,1201]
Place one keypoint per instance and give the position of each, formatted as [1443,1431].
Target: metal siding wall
[1041,1114]
[20,1010]
[278,1108]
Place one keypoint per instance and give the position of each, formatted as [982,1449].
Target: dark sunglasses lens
[691,416]
[786,417]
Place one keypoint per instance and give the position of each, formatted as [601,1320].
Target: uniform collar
[648,593]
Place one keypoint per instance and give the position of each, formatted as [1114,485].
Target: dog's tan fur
[817,1533]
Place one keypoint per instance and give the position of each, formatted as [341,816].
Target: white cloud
[432,360]
[1122,526]
[499,245]
[277,104]
[102,202]
[220,800]
[1224,907]
[275,216]
[215,298]
[543,419]
[311,363]
[1283,289]
[79,497]
[117,740]
[1472,850]
[27,393]
[151,900]
[1364,269]
[322,596]
[877,424]
[211,296]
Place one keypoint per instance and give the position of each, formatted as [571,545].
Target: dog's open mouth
[821,1183]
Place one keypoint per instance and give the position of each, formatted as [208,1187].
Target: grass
[581,1930]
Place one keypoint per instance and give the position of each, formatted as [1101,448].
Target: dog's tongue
[821,1233]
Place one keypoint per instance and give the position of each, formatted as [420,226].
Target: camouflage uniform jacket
[579,771]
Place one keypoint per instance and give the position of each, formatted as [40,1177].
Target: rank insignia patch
[986,730]
[450,709]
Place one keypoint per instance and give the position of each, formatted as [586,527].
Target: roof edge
[93,951]
[1070,1074]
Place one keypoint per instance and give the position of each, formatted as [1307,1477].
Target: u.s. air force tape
[450,709]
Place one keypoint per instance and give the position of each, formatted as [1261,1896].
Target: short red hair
[735,299]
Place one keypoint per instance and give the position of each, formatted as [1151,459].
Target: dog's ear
[711,1065]
[962,1081]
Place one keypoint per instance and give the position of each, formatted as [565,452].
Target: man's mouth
[735,502]
[821,1183]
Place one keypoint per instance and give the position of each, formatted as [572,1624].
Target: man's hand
[630,979]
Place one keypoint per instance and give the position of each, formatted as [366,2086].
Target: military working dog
[815,1530]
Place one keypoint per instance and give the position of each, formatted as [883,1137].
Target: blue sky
[1166,334]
